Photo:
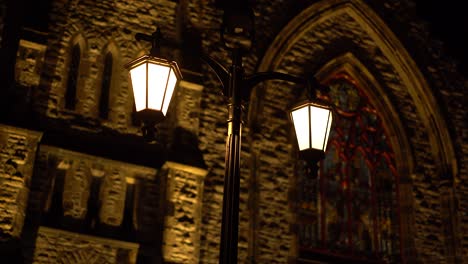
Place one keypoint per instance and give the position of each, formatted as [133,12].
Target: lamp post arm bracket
[220,71]
[142,36]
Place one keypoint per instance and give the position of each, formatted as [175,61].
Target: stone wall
[58,246]
[334,35]
[329,40]
[94,27]
[79,169]
[184,195]
[17,154]
[449,87]
[268,154]
[95,199]
[29,63]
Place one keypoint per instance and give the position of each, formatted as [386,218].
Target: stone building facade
[80,185]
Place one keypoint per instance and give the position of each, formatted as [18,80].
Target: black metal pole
[313,168]
[230,218]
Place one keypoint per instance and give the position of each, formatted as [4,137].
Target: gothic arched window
[72,82]
[105,86]
[350,211]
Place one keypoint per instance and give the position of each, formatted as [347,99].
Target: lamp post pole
[237,87]
[230,216]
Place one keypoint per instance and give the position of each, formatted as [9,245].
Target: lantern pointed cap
[157,60]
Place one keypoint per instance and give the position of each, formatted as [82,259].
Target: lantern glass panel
[320,126]
[157,81]
[138,76]
[170,90]
[300,119]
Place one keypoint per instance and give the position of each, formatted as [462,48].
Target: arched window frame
[73,76]
[407,74]
[313,234]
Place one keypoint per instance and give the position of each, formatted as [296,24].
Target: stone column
[76,190]
[184,192]
[17,154]
[113,197]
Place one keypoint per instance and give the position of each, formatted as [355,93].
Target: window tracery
[351,208]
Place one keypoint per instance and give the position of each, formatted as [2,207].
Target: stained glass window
[105,87]
[72,82]
[351,209]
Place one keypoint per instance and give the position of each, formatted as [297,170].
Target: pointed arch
[393,50]
[76,52]
[350,65]
[400,84]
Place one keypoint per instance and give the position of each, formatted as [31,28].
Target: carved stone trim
[107,241]
[55,245]
[186,168]
[35,135]
[133,169]
[191,85]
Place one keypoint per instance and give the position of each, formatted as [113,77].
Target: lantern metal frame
[148,114]
[310,153]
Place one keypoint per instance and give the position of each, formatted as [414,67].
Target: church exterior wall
[434,188]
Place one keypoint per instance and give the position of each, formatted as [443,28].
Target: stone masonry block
[17,155]
[182,228]
[57,246]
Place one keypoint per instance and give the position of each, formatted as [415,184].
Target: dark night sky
[448,21]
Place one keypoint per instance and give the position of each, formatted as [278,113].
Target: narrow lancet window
[72,82]
[105,87]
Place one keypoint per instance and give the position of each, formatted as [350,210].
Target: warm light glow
[312,123]
[153,82]
[157,80]
[300,119]
[138,76]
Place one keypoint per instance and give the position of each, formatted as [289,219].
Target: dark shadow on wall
[184,149]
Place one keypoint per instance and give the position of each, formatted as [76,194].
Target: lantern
[153,81]
[312,122]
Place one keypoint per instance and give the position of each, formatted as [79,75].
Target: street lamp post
[237,36]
